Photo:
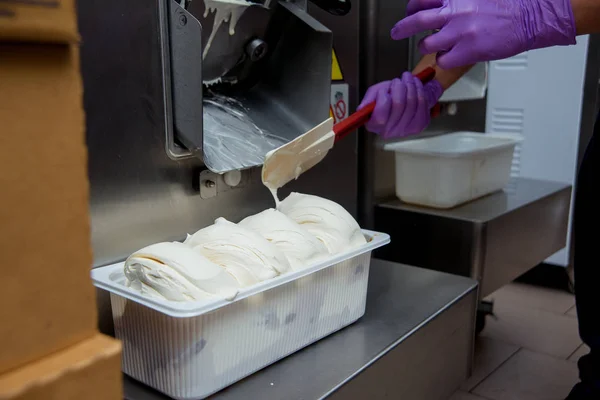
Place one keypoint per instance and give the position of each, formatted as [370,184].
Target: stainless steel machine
[143,70]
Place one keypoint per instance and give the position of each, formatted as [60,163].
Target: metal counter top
[519,193]
[493,239]
[401,299]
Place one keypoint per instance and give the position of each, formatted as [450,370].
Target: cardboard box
[90,370]
[41,21]
[48,301]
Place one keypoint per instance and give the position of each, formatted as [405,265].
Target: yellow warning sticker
[336,71]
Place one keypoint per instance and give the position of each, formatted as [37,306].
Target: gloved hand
[403,106]
[471,31]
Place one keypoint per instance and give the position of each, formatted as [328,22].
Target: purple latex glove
[402,107]
[471,31]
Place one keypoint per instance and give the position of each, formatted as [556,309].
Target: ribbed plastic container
[452,169]
[194,349]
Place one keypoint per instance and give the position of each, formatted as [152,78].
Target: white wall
[538,94]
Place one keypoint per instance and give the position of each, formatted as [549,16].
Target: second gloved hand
[403,106]
[471,31]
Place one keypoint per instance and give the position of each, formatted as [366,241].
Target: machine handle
[361,117]
[334,7]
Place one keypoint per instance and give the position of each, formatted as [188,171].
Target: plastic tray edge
[101,275]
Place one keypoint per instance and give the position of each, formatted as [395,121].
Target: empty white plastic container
[448,170]
[191,350]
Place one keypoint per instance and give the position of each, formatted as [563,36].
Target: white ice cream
[299,246]
[177,272]
[325,219]
[245,254]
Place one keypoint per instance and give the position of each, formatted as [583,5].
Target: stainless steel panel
[345,42]
[494,239]
[440,352]
[344,160]
[418,328]
[335,177]
[369,38]
[138,194]
[517,242]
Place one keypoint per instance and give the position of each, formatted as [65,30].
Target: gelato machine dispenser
[242,78]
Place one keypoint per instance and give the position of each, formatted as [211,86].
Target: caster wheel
[480,322]
[486,307]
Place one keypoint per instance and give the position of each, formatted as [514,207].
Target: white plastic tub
[192,350]
[448,170]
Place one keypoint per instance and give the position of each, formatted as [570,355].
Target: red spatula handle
[361,117]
